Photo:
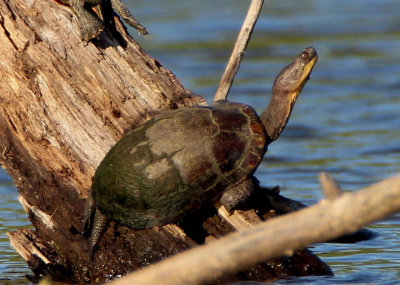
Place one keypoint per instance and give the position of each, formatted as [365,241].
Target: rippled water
[12,266]
[346,121]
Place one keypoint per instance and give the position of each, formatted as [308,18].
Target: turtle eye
[304,55]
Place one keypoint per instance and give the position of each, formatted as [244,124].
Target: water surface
[346,121]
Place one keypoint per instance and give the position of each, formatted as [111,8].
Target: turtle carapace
[179,159]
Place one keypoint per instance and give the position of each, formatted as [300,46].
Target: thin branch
[276,237]
[238,50]
[329,186]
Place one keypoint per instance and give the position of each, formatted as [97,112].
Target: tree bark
[64,103]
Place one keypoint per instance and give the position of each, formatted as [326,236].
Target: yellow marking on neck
[303,79]
[308,67]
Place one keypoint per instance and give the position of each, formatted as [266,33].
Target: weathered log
[64,103]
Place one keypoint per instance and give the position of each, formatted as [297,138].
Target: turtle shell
[176,161]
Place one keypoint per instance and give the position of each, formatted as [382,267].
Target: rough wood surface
[63,104]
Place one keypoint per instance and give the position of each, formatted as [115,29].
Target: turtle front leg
[238,194]
[122,10]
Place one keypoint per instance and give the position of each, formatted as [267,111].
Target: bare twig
[238,50]
[276,237]
[329,187]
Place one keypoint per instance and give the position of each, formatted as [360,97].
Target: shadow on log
[64,103]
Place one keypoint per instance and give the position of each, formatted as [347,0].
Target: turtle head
[291,80]
[287,87]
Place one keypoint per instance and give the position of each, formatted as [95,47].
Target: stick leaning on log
[239,49]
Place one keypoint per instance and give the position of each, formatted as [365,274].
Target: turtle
[93,15]
[182,158]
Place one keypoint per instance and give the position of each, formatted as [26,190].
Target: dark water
[346,122]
